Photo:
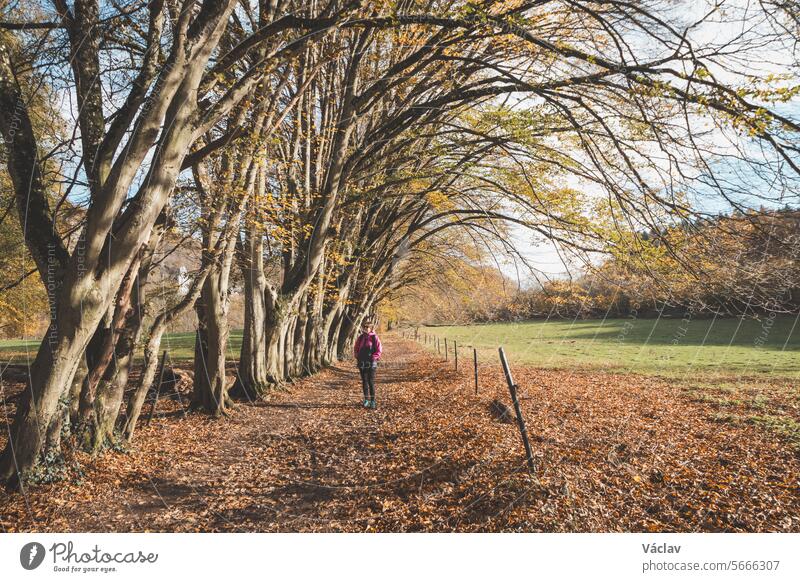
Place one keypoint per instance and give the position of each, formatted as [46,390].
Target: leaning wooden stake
[475,362]
[158,385]
[445,349]
[455,353]
[517,409]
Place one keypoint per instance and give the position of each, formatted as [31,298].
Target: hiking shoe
[366,403]
[372,404]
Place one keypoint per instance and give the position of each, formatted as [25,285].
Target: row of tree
[334,153]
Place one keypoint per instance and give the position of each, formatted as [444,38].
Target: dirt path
[614,453]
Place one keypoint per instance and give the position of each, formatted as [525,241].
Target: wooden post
[520,421]
[416,334]
[475,361]
[438,346]
[158,385]
[455,353]
[445,349]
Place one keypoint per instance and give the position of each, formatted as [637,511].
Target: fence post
[445,349]
[518,410]
[438,347]
[455,352]
[416,334]
[475,361]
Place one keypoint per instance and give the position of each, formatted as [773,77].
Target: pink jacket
[363,340]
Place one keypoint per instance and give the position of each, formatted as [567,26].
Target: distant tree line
[745,263]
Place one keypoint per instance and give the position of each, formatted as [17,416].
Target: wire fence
[452,346]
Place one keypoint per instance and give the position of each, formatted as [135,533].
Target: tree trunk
[288,351]
[111,391]
[160,325]
[299,346]
[52,445]
[136,401]
[51,376]
[210,391]
[316,335]
[84,427]
[311,344]
[347,331]
[108,402]
[252,379]
[332,347]
[74,396]
[276,323]
[101,357]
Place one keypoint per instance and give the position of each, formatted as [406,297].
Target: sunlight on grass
[664,347]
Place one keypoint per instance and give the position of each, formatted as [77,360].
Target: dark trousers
[368,382]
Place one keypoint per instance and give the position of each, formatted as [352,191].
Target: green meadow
[179,345]
[669,347]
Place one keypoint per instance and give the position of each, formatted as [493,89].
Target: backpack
[367,349]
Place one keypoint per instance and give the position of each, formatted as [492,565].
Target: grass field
[180,346]
[669,347]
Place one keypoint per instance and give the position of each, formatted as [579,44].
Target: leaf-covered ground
[613,453]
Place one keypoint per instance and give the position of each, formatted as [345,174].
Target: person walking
[367,351]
